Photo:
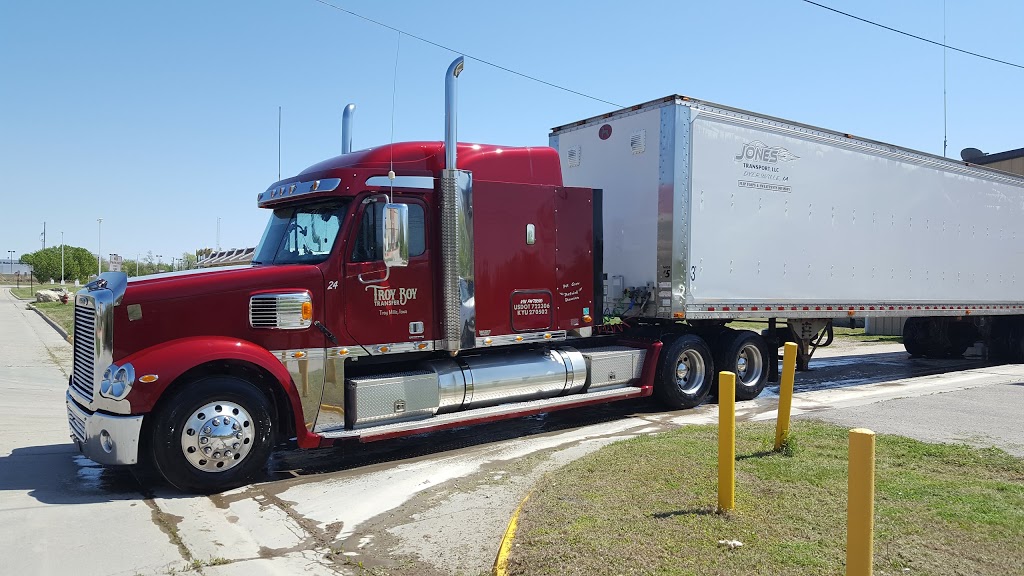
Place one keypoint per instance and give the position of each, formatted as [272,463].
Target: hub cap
[690,372]
[749,365]
[217,436]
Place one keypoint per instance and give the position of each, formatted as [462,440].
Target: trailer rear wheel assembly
[685,372]
[938,337]
[743,353]
[212,435]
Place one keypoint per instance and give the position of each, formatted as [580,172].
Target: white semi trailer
[723,214]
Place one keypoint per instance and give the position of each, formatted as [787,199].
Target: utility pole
[137,258]
[62,258]
[99,247]
[11,252]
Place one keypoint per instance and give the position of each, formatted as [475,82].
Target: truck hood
[188,283]
[166,307]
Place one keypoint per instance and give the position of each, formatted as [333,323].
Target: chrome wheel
[690,373]
[217,436]
[745,354]
[749,364]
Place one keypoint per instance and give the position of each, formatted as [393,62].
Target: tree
[188,261]
[79,263]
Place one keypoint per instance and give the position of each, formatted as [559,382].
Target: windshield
[301,234]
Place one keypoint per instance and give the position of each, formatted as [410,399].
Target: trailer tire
[915,336]
[961,336]
[685,372]
[224,416]
[745,354]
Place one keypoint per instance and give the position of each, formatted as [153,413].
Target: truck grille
[83,376]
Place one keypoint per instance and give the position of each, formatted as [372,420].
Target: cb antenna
[394,91]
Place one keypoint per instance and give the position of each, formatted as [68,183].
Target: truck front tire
[214,434]
[685,372]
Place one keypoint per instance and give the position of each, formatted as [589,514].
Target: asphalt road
[431,504]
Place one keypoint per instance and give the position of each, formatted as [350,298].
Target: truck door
[389,307]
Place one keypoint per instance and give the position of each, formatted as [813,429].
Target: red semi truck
[419,286]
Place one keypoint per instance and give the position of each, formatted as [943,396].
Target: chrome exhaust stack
[346,128]
[459,304]
[451,122]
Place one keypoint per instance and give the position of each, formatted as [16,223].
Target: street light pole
[62,258]
[158,262]
[11,252]
[99,247]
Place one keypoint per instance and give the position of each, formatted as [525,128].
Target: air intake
[280,311]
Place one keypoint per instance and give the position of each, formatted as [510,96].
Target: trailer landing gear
[808,335]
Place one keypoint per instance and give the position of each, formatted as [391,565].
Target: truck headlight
[117,381]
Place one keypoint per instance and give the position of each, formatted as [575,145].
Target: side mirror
[396,235]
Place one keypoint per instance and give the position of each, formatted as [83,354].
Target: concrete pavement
[58,511]
[982,416]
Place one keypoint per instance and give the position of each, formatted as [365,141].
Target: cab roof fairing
[523,165]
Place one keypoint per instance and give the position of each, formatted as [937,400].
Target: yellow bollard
[726,441]
[860,503]
[785,394]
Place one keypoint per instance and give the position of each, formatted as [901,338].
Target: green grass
[62,314]
[647,506]
[27,293]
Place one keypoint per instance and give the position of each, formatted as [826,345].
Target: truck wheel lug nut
[227,453]
[206,450]
[216,454]
[207,430]
[216,422]
[204,440]
[238,435]
[235,445]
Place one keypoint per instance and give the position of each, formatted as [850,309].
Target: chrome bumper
[103,438]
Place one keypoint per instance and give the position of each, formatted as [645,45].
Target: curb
[53,324]
[501,561]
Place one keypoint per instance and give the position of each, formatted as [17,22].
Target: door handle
[362,280]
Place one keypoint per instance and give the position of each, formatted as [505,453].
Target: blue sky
[162,117]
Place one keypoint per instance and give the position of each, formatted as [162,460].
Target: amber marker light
[149,378]
[299,354]
[587,319]
[307,310]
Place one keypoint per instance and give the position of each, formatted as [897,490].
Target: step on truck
[419,286]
